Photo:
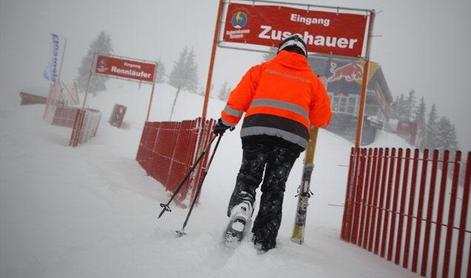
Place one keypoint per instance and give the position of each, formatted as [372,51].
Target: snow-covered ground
[91,211]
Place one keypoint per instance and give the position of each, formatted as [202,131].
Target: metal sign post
[211,62]
[150,101]
[129,69]
[116,67]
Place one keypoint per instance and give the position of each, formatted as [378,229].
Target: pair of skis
[304,191]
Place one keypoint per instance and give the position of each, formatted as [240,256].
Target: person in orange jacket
[281,99]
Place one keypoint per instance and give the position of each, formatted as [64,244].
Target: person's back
[282,104]
[281,99]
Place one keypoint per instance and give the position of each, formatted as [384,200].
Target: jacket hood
[292,60]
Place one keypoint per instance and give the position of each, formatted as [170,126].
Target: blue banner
[53,66]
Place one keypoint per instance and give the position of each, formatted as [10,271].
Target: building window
[352,105]
[344,104]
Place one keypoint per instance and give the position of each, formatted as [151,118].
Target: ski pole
[200,185]
[166,207]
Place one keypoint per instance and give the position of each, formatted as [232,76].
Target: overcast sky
[421,44]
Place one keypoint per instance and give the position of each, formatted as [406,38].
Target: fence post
[374,207]
[441,204]
[420,208]
[397,180]
[464,215]
[428,219]
[358,195]
[369,204]
[381,201]
[400,229]
[364,196]
[351,194]
[410,210]
[451,214]
[387,204]
[346,219]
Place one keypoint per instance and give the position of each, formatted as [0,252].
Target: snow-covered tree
[404,108]
[160,78]
[224,91]
[191,72]
[183,74]
[431,130]
[420,120]
[410,105]
[393,107]
[446,139]
[101,45]
[399,109]
[184,71]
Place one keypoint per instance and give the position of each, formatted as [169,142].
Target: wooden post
[364,83]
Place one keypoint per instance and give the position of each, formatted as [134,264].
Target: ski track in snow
[91,211]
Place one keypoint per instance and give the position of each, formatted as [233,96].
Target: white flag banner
[53,67]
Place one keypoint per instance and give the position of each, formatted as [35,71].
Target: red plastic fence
[65,116]
[85,126]
[168,150]
[411,209]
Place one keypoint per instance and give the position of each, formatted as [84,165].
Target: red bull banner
[324,32]
[349,72]
[124,68]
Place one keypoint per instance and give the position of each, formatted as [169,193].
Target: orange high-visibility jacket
[281,97]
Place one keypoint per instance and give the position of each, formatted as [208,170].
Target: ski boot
[262,246]
[264,238]
[239,223]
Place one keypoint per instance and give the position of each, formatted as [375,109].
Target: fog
[422,44]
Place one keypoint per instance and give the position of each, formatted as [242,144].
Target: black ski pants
[269,160]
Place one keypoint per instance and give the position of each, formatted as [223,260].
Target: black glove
[219,128]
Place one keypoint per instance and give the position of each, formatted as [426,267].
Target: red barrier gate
[65,116]
[392,209]
[168,150]
[85,126]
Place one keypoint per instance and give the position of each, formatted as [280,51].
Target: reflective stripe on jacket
[281,97]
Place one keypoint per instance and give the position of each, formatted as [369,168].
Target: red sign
[123,68]
[323,32]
